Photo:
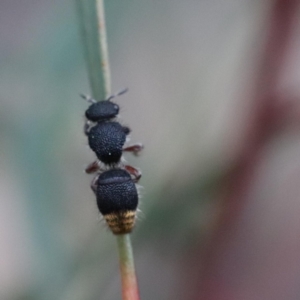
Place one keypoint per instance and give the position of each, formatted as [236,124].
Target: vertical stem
[103,49]
[93,32]
[92,22]
[129,282]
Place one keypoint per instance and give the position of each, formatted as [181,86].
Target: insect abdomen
[117,200]
[121,222]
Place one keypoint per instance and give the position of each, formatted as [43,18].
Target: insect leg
[135,149]
[134,172]
[93,167]
[94,183]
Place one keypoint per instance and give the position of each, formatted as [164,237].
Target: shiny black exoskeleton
[117,199]
[107,137]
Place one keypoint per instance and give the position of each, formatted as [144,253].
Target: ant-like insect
[107,137]
[117,199]
[114,186]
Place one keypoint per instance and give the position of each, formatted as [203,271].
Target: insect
[117,199]
[115,182]
[106,137]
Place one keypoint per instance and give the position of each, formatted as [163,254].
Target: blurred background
[213,94]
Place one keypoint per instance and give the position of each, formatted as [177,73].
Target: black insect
[115,183]
[107,137]
[117,199]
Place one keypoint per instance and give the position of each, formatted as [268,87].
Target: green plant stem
[103,48]
[92,22]
[93,31]
[129,282]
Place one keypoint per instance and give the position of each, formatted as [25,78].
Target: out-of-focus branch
[261,125]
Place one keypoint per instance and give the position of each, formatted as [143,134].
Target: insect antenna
[118,94]
[88,98]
